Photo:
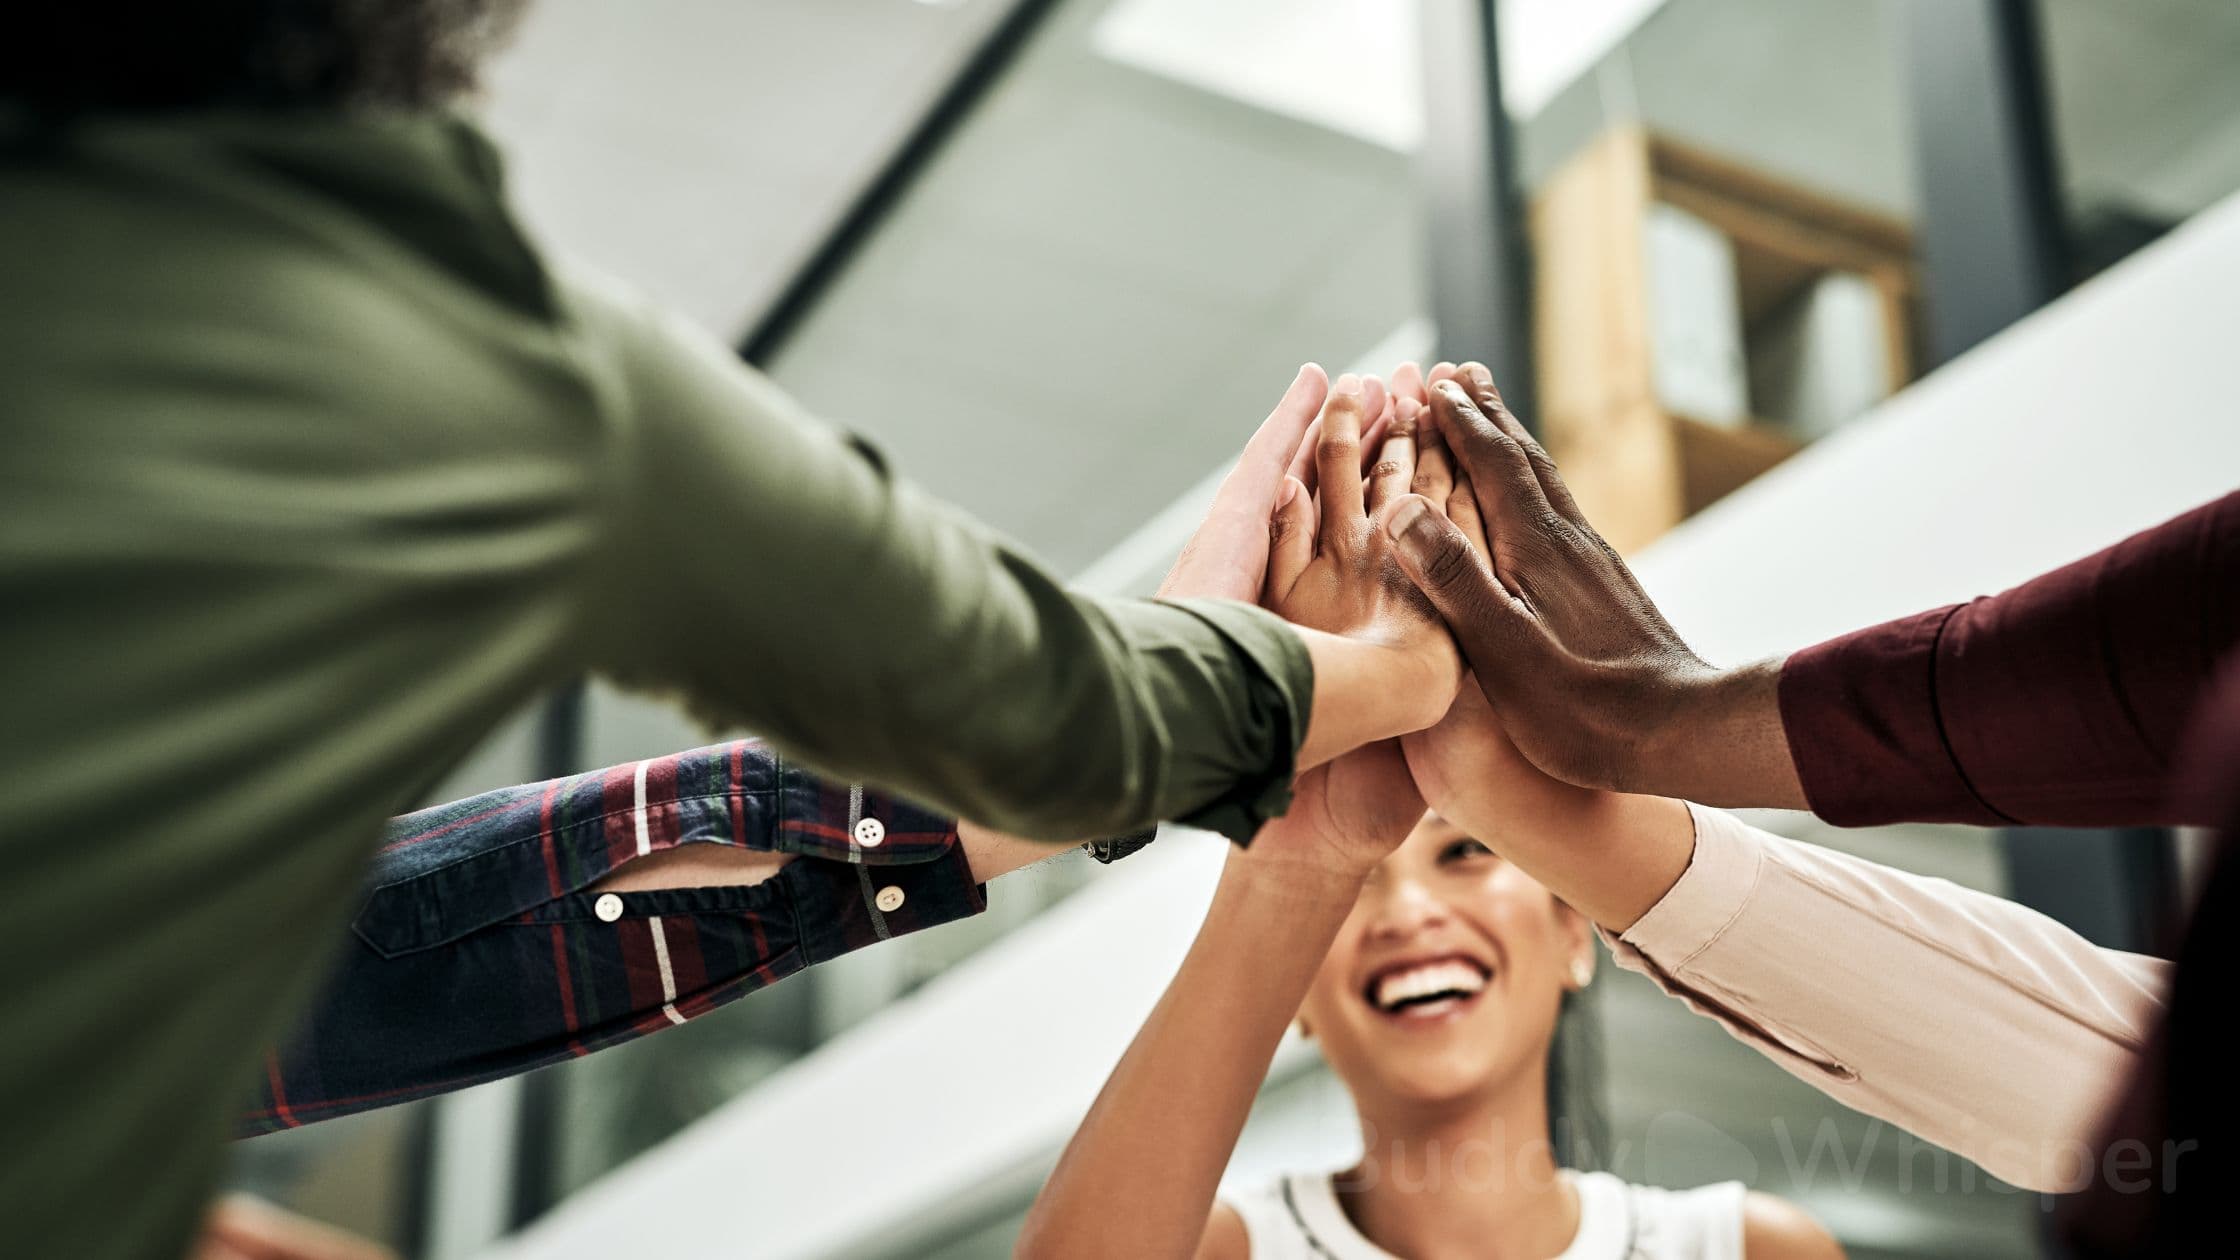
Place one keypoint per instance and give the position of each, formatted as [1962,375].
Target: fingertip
[1400,515]
[1374,435]
[1405,413]
[1291,507]
[1407,381]
[1345,414]
[1291,536]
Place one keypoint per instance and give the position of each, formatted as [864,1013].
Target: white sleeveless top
[1298,1218]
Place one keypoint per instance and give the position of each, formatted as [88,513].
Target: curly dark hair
[72,56]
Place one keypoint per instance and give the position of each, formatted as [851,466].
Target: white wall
[2104,413]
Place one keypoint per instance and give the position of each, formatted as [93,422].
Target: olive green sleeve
[776,572]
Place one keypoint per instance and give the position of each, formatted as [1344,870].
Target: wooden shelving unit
[1636,467]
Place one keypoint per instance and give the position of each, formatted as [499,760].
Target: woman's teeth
[1428,982]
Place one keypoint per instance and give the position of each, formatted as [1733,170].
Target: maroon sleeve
[2061,702]
[2180,1101]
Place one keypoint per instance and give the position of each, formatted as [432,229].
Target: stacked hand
[1466,751]
[1460,521]
[1330,567]
[1584,672]
[1332,561]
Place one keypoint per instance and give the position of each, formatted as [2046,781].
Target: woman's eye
[1463,849]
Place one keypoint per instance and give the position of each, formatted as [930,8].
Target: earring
[1582,973]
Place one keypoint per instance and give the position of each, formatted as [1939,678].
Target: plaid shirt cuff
[482,952]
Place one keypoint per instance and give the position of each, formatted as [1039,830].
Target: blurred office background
[1831,309]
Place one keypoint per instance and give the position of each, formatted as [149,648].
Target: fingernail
[1404,518]
[1305,370]
[1478,375]
[1347,384]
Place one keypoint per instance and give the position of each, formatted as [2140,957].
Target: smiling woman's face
[1446,980]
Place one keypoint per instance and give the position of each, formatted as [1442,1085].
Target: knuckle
[1386,468]
[1334,445]
[1502,445]
[1449,565]
[1340,464]
[1485,447]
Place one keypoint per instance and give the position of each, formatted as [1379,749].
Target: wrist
[1678,721]
[1416,685]
[1267,873]
[1492,805]
[1719,740]
[1366,691]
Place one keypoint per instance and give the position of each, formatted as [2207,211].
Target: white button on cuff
[870,833]
[889,899]
[608,907]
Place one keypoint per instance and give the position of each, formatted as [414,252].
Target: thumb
[1290,541]
[1448,570]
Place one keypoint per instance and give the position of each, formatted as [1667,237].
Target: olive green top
[314,469]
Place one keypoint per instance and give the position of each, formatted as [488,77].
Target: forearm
[1364,692]
[1139,1176]
[992,853]
[780,575]
[1723,744]
[1832,966]
[1609,855]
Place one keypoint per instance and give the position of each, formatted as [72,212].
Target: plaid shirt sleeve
[478,953]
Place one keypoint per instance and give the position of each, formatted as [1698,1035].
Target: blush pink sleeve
[1970,1021]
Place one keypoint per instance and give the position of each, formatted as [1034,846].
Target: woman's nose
[1407,907]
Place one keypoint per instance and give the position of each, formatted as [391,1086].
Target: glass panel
[1724,268]
[1723,208]
[2146,114]
[361,1173]
[1110,273]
